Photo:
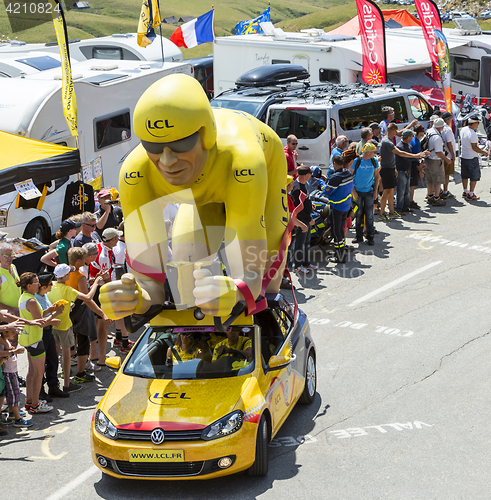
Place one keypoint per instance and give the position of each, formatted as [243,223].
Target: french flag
[195,32]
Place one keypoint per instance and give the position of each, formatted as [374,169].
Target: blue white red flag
[195,32]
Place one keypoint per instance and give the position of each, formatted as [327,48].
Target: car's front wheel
[308,394]
[260,465]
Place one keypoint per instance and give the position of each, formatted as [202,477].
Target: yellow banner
[68,98]
[149,19]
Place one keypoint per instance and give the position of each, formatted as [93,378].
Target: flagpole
[160,29]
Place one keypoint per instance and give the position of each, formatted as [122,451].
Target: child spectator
[68,230]
[11,381]
[3,392]
[63,333]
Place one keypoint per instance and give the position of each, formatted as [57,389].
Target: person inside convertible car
[233,342]
[186,347]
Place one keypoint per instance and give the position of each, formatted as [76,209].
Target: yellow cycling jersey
[242,184]
[9,291]
[184,355]
[242,344]
[30,333]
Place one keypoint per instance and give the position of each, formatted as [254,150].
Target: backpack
[358,163]
[425,141]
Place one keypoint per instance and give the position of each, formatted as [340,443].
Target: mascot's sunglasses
[180,146]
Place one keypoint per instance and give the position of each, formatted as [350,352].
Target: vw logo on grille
[157,436]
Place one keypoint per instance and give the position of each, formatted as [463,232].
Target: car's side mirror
[278,363]
[114,362]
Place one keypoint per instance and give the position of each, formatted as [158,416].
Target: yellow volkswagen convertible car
[169,414]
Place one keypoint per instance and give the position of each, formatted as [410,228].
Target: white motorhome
[328,58]
[116,47]
[106,92]
[28,63]
[470,55]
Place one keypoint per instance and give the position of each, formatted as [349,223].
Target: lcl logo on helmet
[153,127]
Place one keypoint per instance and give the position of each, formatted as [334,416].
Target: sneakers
[22,422]
[56,392]
[72,388]
[117,342]
[472,197]
[124,350]
[465,195]
[44,396]
[83,379]
[301,270]
[310,266]
[446,194]
[370,242]
[41,407]
[436,202]
[5,407]
[335,260]
[395,215]
[384,218]
[91,367]
[73,360]
[357,240]
[414,205]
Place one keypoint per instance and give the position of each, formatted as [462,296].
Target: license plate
[156,456]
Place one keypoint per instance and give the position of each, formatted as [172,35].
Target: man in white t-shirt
[435,170]
[449,140]
[469,157]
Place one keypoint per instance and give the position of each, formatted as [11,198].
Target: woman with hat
[68,230]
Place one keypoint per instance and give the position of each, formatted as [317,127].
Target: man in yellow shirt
[235,342]
[227,170]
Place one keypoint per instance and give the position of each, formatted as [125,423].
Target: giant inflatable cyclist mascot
[227,170]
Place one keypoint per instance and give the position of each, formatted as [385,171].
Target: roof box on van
[273,74]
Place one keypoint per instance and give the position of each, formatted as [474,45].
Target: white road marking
[395,283]
[68,488]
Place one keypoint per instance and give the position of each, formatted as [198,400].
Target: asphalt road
[402,335]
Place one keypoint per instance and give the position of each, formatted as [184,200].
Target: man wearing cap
[435,170]
[469,157]
[108,215]
[365,191]
[227,170]
[449,140]
[375,132]
[291,154]
[301,262]
[87,233]
[388,171]
[403,165]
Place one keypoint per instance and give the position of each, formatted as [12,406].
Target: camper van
[115,47]
[106,93]
[329,58]
[322,113]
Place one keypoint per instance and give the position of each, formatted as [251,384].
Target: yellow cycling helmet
[173,110]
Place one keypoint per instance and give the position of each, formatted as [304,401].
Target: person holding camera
[109,215]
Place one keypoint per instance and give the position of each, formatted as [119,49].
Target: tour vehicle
[208,416]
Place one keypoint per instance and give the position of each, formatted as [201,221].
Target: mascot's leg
[198,232]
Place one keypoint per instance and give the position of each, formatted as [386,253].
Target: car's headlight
[223,427]
[104,426]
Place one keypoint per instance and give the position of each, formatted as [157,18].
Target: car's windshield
[251,107]
[192,353]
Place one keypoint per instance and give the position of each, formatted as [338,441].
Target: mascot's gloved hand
[215,295]
[121,298]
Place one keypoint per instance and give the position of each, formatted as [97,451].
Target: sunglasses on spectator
[294,143]
[91,225]
[8,256]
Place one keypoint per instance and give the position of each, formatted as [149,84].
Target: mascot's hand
[215,295]
[120,298]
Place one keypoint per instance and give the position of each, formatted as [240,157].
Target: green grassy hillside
[106,17]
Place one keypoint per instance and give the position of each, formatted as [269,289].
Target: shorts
[83,321]
[388,176]
[414,182]
[36,350]
[64,337]
[469,169]
[12,387]
[434,173]
[96,299]
[450,168]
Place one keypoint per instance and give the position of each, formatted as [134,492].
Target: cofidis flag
[149,19]
[372,34]
[429,16]
[195,32]
[252,26]
[68,99]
